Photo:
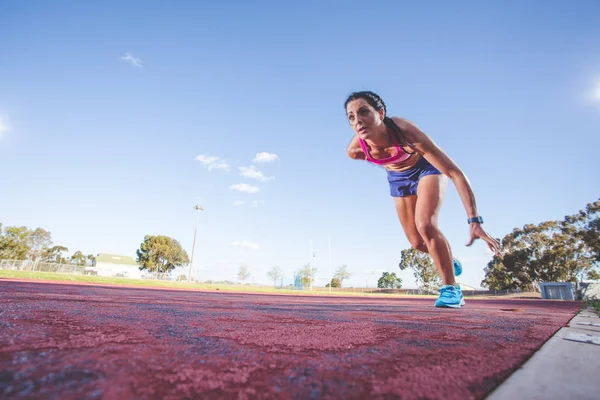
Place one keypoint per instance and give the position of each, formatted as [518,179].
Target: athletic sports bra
[399,157]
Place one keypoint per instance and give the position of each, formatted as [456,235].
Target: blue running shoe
[457,267]
[450,296]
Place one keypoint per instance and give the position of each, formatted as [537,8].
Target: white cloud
[597,91]
[212,162]
[257,203]
[132,60]
[265,158]
[252,172]
[219,165]
[245,244]
[206,160]
[239,203]
[244,187]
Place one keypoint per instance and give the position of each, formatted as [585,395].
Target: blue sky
[115,119]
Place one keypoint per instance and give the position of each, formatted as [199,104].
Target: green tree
[275,273]
[15,243]
[39,240]
[552,251]
[78,258]
[161,254]
[307,275]
[243,273]
[586,227]
[424,270]
[389,281]
[91,259]
[593,275]
[54,255]
[340,274]
[335,282]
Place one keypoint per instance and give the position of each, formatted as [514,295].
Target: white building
[114,265]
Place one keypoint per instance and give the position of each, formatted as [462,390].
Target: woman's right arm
[354,150]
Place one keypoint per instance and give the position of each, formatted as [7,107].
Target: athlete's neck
[381,137]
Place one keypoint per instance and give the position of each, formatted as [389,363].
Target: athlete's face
[363,118]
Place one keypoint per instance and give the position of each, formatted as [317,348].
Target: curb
[565,367]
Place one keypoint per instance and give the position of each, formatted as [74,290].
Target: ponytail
[397,132]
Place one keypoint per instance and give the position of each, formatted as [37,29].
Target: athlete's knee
[417,243]
[427,229]
[421,247]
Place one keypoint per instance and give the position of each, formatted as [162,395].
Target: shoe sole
[462,303]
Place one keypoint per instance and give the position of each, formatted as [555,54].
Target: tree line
[566,250]
[550,251]
[162,254]
[306,274]
[158,254]
[36,245]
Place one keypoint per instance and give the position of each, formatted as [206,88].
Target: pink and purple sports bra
[399,157]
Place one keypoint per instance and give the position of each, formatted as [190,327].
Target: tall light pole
[198,208]
[312,256]
[330,272]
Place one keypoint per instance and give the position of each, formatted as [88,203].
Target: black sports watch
[475,219]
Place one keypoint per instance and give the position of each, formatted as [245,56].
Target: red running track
[71,341]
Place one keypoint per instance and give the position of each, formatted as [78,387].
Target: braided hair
[377,103]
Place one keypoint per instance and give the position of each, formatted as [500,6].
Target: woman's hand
[477,232]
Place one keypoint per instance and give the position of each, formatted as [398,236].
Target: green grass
[594,304]
[52,276]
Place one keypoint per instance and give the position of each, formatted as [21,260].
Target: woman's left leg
[430,196]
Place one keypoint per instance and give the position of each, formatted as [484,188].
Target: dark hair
[372,98]
[377,103]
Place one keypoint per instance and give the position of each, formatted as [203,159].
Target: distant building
[114,265]
[557,290]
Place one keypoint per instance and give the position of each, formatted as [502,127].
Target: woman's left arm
[439,159]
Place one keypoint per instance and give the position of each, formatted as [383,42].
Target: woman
[417,172]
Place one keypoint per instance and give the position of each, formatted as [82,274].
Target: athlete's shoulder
[419,140]
[410,130]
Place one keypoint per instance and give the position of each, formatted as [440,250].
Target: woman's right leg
[405,207]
